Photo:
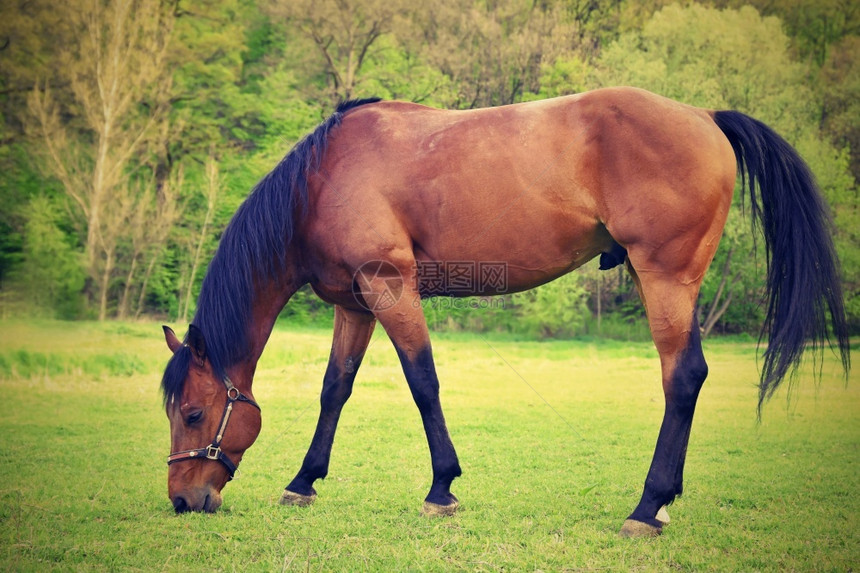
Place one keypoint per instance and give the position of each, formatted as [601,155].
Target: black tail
[803,271]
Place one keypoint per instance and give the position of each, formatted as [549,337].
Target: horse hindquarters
[667,201]
[803,286]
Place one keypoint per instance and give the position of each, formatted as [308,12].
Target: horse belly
[505,251]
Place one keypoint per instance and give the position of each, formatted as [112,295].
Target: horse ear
[197,344]
[173,343]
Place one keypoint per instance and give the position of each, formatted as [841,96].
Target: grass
[554,438]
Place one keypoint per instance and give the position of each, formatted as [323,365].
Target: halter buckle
[213,452]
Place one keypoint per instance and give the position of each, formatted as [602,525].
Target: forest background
[130,130]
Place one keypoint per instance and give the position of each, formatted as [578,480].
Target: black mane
[252,246]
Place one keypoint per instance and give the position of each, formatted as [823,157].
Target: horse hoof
[663,516]
[632,528]
[293,498]
[431,509]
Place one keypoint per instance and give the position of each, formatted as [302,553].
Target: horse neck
[269,302]
[270,297]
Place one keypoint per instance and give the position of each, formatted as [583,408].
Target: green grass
[554,438]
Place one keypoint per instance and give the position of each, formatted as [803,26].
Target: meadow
[555,439]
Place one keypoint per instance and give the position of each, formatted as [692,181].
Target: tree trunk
[212,188]
[599,305]
[123,309]
[104,286]
[142,296]
[717,309]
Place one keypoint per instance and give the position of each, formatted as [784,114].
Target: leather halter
[213,450]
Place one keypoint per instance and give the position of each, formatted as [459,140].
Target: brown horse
[374,206]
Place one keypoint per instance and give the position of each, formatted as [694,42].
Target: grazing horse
[383,191]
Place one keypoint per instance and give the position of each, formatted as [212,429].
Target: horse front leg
[402,316]
[675,329]
[420,373]
[352,332]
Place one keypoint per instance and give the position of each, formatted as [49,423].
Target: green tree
[28,32]
[118,83]
[813,26]
[719,59]
[730,294]
[52,274]
[396,72]
[492,52]
[840,98]
[556,309]
[343,33]
[213,103]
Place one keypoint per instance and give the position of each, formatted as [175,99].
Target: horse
[372,207]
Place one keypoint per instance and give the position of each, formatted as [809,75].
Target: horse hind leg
[352,332]
[670,306]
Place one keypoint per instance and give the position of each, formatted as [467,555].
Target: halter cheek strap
[213,450]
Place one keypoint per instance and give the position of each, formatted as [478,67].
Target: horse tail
[803,270]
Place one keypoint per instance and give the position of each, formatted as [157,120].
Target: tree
[213,100]
[729,59]
[556,309]
[731,291]
[492,52]
[119,83]
[814,26]
[397,71]
[840,98]
[343,33]
[150,224]
[213,188]
[28,31]
[52,273]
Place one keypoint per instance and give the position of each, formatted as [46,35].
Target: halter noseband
[213,450]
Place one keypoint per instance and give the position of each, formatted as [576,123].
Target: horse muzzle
[205,499]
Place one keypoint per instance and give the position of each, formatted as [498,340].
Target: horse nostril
[180,505]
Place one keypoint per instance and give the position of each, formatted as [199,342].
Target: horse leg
[352,331]
[405,324]
[421,376]
[671,314]
[662,514]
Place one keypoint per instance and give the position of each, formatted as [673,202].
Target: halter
[213,450]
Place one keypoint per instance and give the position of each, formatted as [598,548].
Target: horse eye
[193,418]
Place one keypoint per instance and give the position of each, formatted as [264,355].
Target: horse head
[213,420]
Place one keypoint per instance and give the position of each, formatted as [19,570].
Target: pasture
[554,438]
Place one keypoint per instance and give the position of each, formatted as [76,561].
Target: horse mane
[252,247]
